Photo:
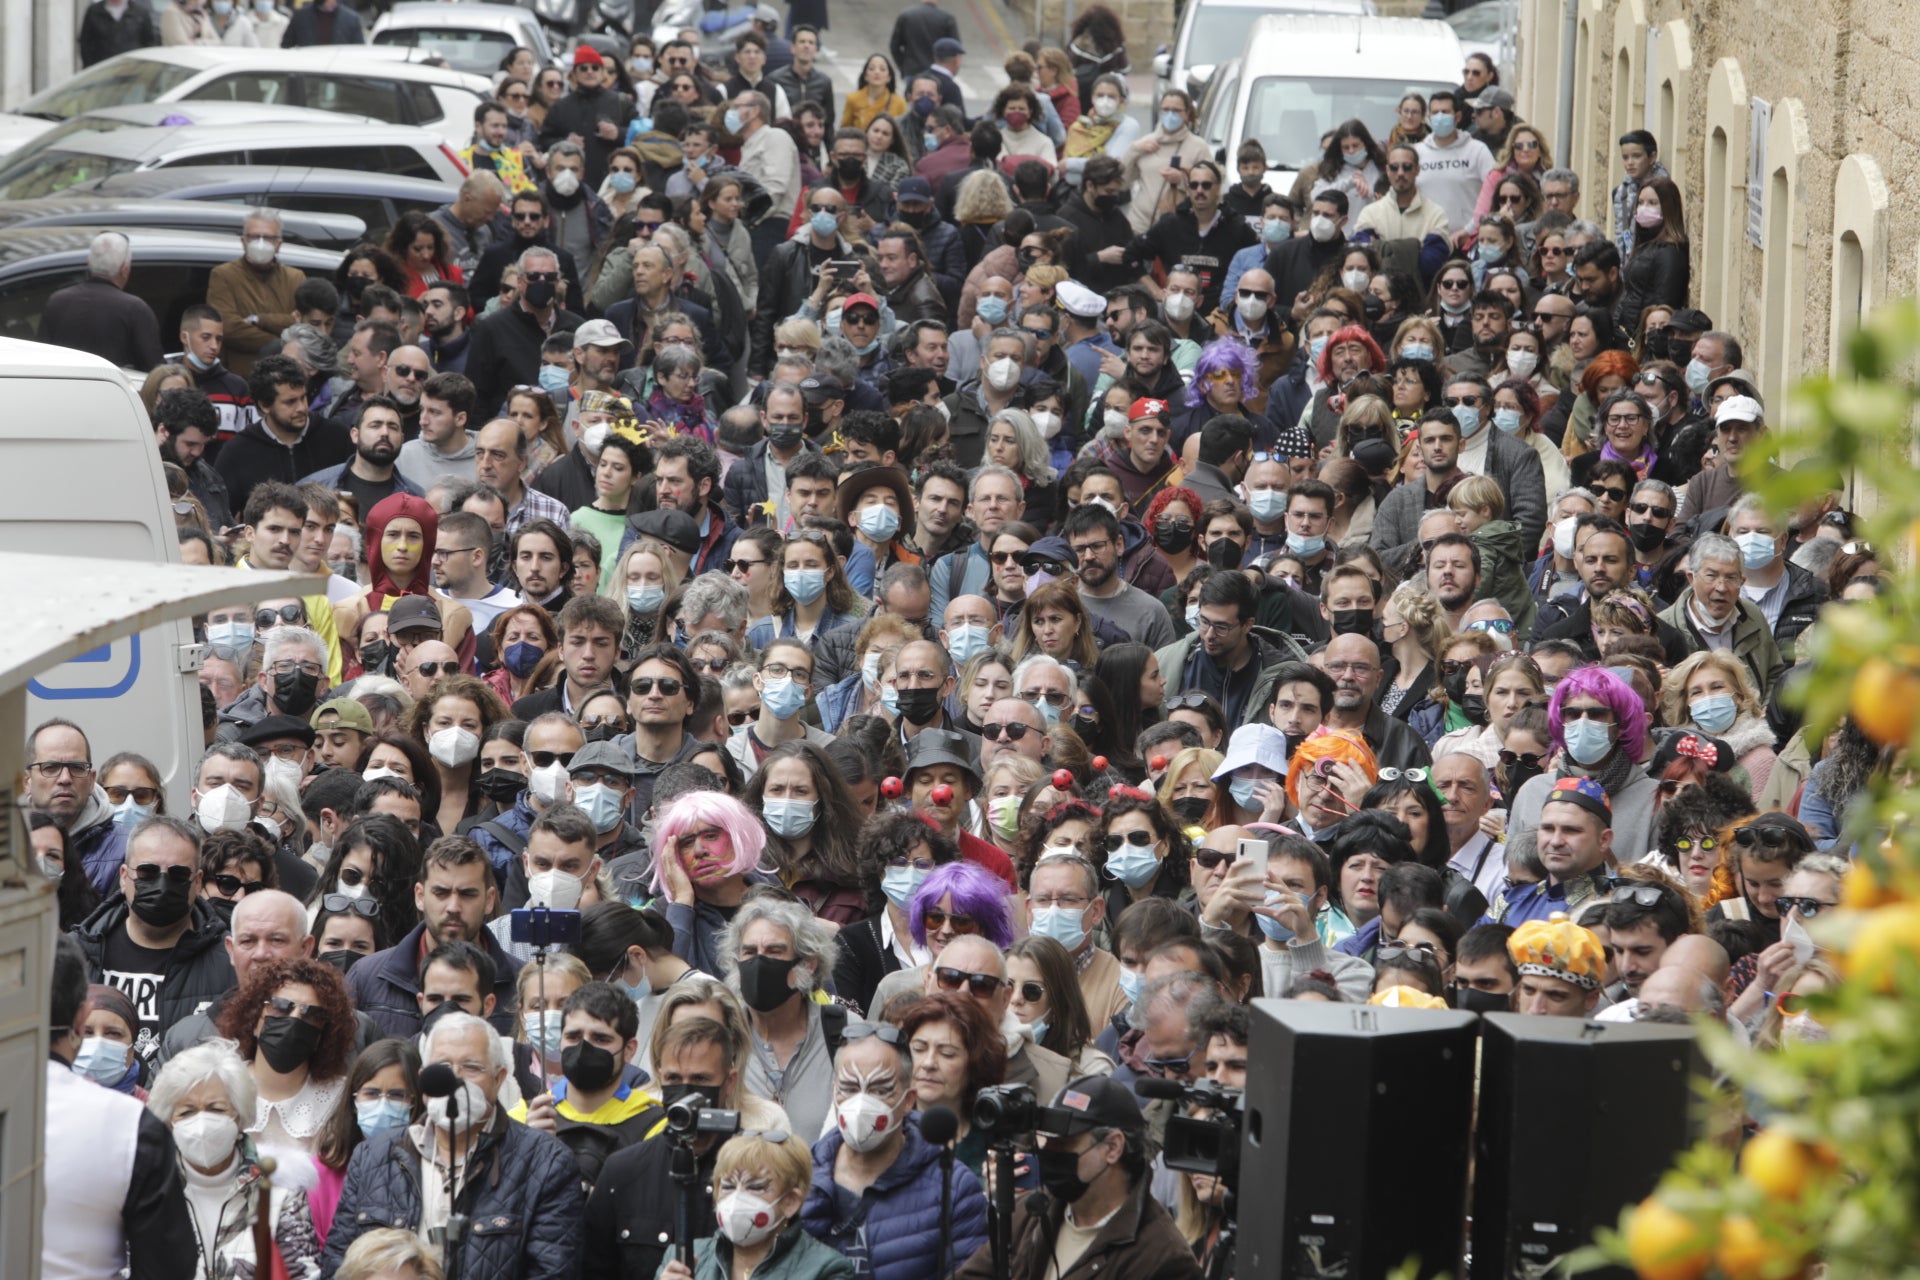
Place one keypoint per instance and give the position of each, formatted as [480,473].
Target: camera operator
[876,1180]
[1200,1206]
[631,1213]
[1095,1215]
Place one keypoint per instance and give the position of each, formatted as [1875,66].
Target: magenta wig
[1232,355]
[1629,713]
[697,810]
[1376,358]
[976,892]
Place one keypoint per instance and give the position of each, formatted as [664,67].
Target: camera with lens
[1203,1136]
[687,1120]
[1006,1111]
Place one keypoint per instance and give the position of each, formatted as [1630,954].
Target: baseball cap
[604,755]
[1492,96]
[916,188]
[947,47]
[818,388]
[768,14]
[1738,409]
[860,300]
[1090,1103]
[273,728]
[599,333]
[1689,320]
[1260,744]
[1080,300]
[342,713]
[413,613]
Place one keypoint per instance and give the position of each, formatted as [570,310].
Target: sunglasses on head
[1764,838]
[934,918]
[1187,702]
[1640,895]
[669,687]
[366,908]
[884,1032]
[981,985]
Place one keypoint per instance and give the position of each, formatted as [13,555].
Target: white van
[79,475]
[1303,74]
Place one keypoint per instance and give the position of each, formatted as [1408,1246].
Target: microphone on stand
[939,1125]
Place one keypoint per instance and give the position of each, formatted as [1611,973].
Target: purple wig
[1629,713]
[697,810]
[976,892]
[1232,355]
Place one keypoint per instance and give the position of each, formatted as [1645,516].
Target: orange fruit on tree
[1888,933]
[1665,1244]
[1885,701]
[1778,1163]
[1743,1253]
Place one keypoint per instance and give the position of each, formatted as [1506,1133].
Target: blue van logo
[106,672]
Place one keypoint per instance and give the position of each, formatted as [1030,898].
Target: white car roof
[430,13]
[142,144]
[1387,48]
[397,61]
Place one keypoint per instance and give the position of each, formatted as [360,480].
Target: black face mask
[357,285]
[1060,1174]
[373,655]
[160,902]
[1646,537]
[603,733]
[918,221]
[1353,622]
[1456,686]
[1680,350]
[1474,1000]
[1107,203]
[785,436]
[763,982]
[1190,809]
[1474,707]
[1026,257]
[850,171]
[1172,537]
[588,1066]
[1657,344]
[287,1043]
[294,692]
[919,706]
[502,786]
[223,908]
[342,960]
[1518,776]
[540,293]
[705,1094]
[1224,553]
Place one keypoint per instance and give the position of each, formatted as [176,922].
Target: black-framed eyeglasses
[669,687]
[230,885]
[54,768]
[340,903]
[147,872]
[979,985]
[1807,907]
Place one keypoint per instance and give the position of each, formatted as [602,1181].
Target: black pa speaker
[1358,1127]
[1577,1120]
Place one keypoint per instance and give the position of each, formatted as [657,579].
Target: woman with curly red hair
[957,1052]
[1173,523]
[293,1023]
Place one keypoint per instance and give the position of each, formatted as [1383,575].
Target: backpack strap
[833,1025]
[506,835]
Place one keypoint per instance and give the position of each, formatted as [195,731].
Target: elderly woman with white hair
[206,1095]
[1014,442]
[776,954]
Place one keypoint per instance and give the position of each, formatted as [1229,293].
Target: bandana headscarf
[395,507]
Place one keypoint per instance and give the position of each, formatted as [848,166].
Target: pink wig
[1600,684]
[696,810]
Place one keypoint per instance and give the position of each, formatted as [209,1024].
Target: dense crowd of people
[953,595]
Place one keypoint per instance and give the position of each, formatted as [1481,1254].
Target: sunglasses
[547,759]
[229,885]
[1601,714]
[938,919]
[281,1007]
[1807,907]
[411,372]
[885,1033]
[1391,774]
[1164,1067]
[1650,509]
[293,613]
[1138,839]
[1763,838]
[979,985]
[1201,186]
[712,666]
[738,718]
[533,216]
[1402,168]
[1188,702]
[1456,284]
[432,669]
[740,566]
[1006,557]
[1640,895]
[1030,991]
[148,872]
[1610,494]
[365,908]
[1499,626]
[1530,759]
[141,795]
[669,687]
[1211,858]
[1423,954]
[1454,402]
[1011,732]
[1052,697]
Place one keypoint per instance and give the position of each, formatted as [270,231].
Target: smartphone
[1254,851]
[544,926]
[843,269]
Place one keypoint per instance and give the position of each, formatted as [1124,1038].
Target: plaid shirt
[537,506]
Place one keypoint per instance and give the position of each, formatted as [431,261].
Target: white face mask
[1048,423]
[474,1110]
[1521,363]
[1355,279]
[260,251]
[453,746]
[206,1139]
[379,771]
[222,809]
[746,1219]
[1003,374]
[566,182]
[1563,537]
[554,889]
[1323,227]
[287,771]
[1105,107]
[1116,422]
[1178,306]
[866,1122]
[549,785]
